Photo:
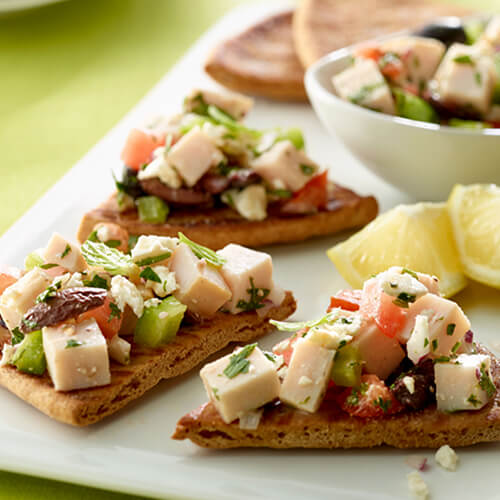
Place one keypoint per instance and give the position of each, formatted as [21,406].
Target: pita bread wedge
[260,61]
[285,427]
[322,26]
[147,367]
[217,227]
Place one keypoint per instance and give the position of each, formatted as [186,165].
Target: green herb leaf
[464,59]
[404,299]
[473,400]
[486,383]
[223,118]
[215,393]
[290,326]
[66,251]
[450,329]
[306,169]
[110,259]
[148,274]
[434,344]
[149,261]
[203,252]
[97,282]
[115,311]
[73,343]
[48,266]
[257,296]
[30,324]
[238,363]
[280,193]
[413,274]
[17,336]
[383,404]
[49,292]
[455,348]
[478,77]
[426,342]
[270,356]
[442,359]
[364,92]
[305,401]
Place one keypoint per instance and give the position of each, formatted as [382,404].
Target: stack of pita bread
[269,58]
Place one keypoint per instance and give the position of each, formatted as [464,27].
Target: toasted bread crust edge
[353,212]
[193,344]
[284,427]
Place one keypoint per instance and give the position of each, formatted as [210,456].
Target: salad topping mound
[394,346]
[420,78]
[73,308]
[207,157]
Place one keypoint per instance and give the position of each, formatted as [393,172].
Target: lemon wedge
[418,237]
[475,216]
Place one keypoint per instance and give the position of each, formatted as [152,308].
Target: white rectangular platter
[132,451]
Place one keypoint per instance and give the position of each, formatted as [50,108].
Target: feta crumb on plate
[417,486]
[447,458]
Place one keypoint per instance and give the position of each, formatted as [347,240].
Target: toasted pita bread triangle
[260,61]
[192,345]
[322,26]
[330,427]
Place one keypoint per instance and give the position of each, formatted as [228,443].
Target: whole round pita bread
[260,61]
[322,26]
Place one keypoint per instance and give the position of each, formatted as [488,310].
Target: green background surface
[68,73]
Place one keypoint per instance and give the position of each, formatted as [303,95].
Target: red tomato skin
[109,328]
[375,304]
[287,353]
[370,53]
[349,300]
[8,276]
[311,198]
[139,148]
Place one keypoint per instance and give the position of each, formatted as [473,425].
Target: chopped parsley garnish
[306,169]
[132,241]
[426,342]
[149,274]
[225,168]
[73,343]
[342,343]
[115,311]
[388,58]
[148,261]
[464,59]
[270,356]
[257,296]
[413,274]
[486,383]
[364,92]
[353,398]
[49,292]
[66,251]
[203,252]
[238,363]
[30,324]
[383,404]
[473,400]
[290,326]
[97,282]
[450,329]
[478,78]
[346,321]
[442,359]
[280,193]
[48,266]
[305,401]
[455,348]
[215,393]
[112,243]
[393,285]
[110,259]
[434,344]
[17,336]
[404,299]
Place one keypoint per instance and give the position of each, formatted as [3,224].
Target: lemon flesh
[475,216]
[418,237]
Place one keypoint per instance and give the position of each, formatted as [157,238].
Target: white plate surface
[132,451]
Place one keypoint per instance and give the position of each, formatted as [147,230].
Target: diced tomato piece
[313,196]
[349,300]
[376,304]
[8,276]
[392,70]
[288,350]
[109,323]
[139,148]
[370,53]
[372,399]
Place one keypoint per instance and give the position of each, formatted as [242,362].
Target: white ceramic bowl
[422,159]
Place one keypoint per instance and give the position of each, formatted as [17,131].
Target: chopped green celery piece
[459,123]
[152,209]
[32,260]
[347,366]
[294,135]
[159,324]
[222,118]
[496,89]
[30,356]
[473,30]
[413,107]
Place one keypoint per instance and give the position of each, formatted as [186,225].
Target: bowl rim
[313,85]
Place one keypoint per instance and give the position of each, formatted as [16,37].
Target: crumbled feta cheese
[152,302]
[250,203]
[409,383]
[394,282]
[447,458]
[419,343]
[7,354]
[162,169]
[153,246]
[417,486]
[285,344]
[125,292]
[167,284]
[103,233]
[303,381]
[68,280]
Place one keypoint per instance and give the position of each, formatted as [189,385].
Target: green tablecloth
[68,73]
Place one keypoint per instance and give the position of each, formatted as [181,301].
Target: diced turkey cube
[125,293]
[77,356]
[148,247]
[339,330]
[167,283]
[65,254]
[446,323]
[20,296]
[420,56]
[285,165]
[199,286]
[236,105]
[466,77]
[250,202]
[234,394]
[307,376]
[119,350]
[464,383]
[364,84]
[193,155]
[381,354]
[396,281]
[244,270]
[430,282]
[492,31]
